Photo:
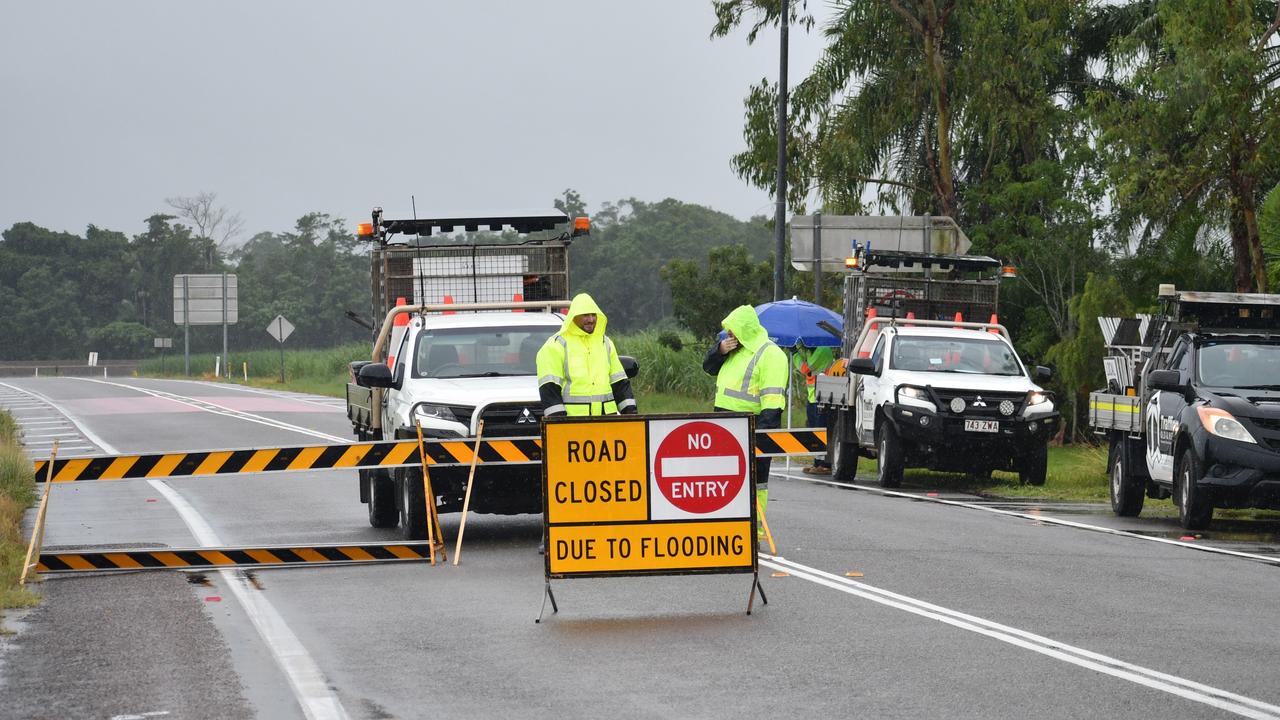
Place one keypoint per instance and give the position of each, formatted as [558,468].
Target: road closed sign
[649,495]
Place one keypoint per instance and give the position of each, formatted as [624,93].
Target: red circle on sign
[699,467]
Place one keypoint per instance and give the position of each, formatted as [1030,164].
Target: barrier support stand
[545,595]
[435,536]
[466,500]
[37,532]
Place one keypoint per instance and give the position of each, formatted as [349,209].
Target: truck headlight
[912,392]
[435,412]
[1223,424]
[1037,398]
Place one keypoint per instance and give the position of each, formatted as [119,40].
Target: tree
[213,224]
[1193,126]
[703,296]
[1079,358]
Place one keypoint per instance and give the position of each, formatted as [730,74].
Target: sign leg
[756,587]
[554,607]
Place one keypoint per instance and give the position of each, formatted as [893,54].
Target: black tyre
[888,457]
[383,512]
[844,453]
[1127,490]
[1195,509]
[413,510]
[1033,466]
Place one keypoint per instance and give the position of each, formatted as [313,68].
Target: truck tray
[1109,411]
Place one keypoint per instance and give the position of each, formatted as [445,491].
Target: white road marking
[1036,517]
[1172,684]
[309,685]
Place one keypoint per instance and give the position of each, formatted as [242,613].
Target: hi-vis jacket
[752,378]
[812,362]
[580,374]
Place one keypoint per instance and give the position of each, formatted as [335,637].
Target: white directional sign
[199,299]
[163,342]
[280,329]
[937,234]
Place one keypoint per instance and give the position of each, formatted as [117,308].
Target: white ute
[949,396]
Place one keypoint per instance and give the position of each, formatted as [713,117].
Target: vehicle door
[1162,413]
[868,394]
[395,400]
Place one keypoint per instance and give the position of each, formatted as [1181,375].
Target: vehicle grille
[503,420]
[990,407]
[1269,431]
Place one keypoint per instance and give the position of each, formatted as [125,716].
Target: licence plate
[982,425]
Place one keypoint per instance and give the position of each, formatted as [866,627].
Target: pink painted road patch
[126,406]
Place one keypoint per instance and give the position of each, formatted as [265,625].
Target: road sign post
[204,300]
[649,495]
[162,343]
[280,329]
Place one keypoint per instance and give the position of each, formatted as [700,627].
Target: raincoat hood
[745,325]
[583,305]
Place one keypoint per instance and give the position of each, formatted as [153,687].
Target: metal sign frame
[750,459]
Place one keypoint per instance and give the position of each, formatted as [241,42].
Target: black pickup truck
[1203,422]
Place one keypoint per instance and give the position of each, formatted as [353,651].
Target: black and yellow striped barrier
[441,453]
[215,558]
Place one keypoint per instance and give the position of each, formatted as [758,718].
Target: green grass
[17,493]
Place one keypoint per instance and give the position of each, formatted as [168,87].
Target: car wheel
[1195,510]
[844,454]
[1033,466]
[1127,490]
[383,512]
[413,511]
[888,457]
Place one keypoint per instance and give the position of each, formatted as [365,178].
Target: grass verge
[17,493]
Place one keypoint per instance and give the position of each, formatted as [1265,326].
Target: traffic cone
[995,320]
[959,319]
[448,300]
[518,297]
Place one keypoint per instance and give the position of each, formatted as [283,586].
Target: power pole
[780,215]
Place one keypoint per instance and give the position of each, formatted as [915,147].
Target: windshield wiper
[1257,387]
[487,373]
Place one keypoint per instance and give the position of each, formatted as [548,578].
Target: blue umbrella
[792,321]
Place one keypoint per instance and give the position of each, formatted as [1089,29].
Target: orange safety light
[1008,271]
[582,224]
[364,229]
[851,262]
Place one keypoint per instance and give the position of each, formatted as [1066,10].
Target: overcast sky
[284,108]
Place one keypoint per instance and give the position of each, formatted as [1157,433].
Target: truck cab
[1192,409]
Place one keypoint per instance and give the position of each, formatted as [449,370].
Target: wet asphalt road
[958,612]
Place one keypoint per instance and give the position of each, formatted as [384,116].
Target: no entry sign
[700,469]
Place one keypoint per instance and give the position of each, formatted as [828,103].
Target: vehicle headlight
[912,392]
[436,412]
[1221,423]
[1036,398]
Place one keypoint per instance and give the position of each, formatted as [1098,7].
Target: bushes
[669,363]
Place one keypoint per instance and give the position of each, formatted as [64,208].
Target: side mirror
[1043,374]
[354,369]
[375,375]
[1170,380]
[629,365]
[861,366]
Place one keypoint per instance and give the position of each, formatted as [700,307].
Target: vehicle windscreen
[1242,365]
[479,352]
[954,355]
